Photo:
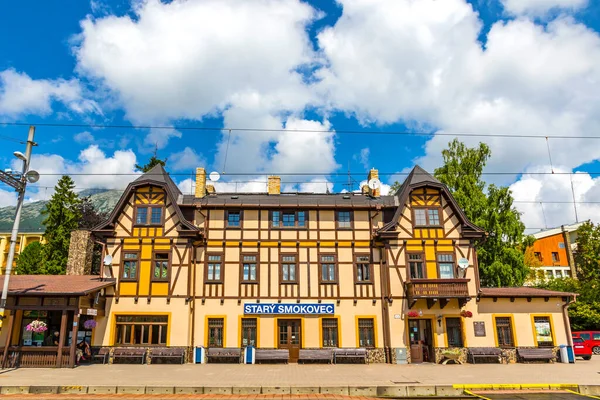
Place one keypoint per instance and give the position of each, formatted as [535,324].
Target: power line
[188,174]
[341,131]
[13,139]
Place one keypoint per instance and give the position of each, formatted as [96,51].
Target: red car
[592,338]
[582,348]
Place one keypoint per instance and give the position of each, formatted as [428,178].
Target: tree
[502,254]
[587,256]
[395,187]
[152,162]
[30,262]
[62,217]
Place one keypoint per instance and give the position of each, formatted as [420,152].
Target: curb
[396,391]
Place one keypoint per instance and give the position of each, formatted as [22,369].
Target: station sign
[293,309]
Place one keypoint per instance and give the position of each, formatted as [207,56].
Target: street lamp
[19,185]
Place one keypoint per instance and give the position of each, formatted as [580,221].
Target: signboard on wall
[543,332]
[294,309]
[479,327]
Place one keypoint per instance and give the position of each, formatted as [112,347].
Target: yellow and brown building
[397,275]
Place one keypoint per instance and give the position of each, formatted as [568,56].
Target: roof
[339,200]
[417,178]
[159,175]
[556,231]
[39,285]
[521,292]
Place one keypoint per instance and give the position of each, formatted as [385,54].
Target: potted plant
[89,324]
[412,314]
[37,326]
[466,314]
[451,354]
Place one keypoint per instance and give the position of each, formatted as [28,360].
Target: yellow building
[394,275]
[23,240]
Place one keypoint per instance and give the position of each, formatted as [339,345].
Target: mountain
[31,215]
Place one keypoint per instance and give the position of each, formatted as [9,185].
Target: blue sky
[521,67]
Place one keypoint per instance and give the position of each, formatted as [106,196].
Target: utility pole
[19,185]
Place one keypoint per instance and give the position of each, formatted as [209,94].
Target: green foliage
[587,257]
[29,262]
[63,215]
[585,313]
[502,255]
[395,187]
[152,162]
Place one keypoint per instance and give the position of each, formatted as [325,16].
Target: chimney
[373,174]
[81,250]
[274,186]
[200,182]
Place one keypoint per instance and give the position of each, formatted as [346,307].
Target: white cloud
[316,185]
[8,198]
[185,159]
[547,200]
[541,7]
[84,137]
[20,94]
[363,157]
[384,189]
[159,138]
[94,169]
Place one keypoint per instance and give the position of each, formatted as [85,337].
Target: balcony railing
[437,289]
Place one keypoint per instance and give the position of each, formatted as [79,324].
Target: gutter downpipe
[566,319]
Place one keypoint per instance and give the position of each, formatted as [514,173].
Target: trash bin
[199,355]
[571,354]
[249,355]
[564,355]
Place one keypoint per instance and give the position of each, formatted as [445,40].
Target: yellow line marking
[589,396]
[476,395]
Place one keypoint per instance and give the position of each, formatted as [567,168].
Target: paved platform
[236,375]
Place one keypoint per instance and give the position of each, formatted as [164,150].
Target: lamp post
[19,185]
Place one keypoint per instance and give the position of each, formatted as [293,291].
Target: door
[289,337]
[421,343]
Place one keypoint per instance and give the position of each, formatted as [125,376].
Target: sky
[318,92]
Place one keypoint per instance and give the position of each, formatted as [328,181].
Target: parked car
[592,337]
[582,348]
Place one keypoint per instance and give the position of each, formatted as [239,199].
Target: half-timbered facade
[395,274]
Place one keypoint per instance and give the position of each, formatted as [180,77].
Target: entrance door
[289,337]
[421,343]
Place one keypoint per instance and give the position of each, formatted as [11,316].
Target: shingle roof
[158,174]
[521,292]
[340,200]
[38,285]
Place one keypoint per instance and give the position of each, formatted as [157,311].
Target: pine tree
[152,162]
[62,217]
[29,262]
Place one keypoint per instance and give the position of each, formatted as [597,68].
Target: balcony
[434,290]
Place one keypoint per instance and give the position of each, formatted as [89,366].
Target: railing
[37,357]
[437,288]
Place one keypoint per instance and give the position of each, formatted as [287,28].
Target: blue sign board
[276,308]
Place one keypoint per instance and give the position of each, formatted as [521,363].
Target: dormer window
[427,217]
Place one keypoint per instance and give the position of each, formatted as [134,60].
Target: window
[328,269]
[366,332]
[596,336]
[543,331]
[427,217]
[215,332]
[233,219]
[248,332]
[161,266]
[130,266]
[555,257]
[288,269]
[549,274]
[288,219]
[415,265]
[538,255]
[141,329]
[561,245]
[504,332]
[148,215]
[454,332]
[249,268]
[446,266]
[558,273]
[585,336]
[213,268]
[363,269]
[344,219]
[330,332]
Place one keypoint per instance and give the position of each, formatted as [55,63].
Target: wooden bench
[102,353]
[168,353]
[129,353]
[484,353]
[350,354]
[316,355]
[539,354]
[228,354]
[272,355]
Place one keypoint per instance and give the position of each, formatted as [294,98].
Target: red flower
[466,314]
[412,314]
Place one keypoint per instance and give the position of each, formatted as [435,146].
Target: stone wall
[375,356]
[81,250]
